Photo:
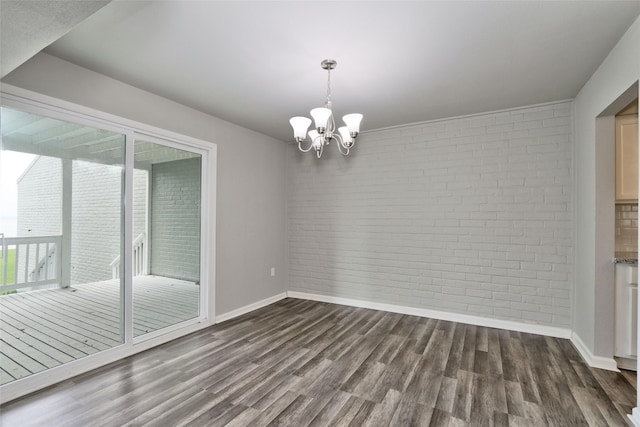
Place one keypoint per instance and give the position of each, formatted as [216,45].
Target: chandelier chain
[328,101]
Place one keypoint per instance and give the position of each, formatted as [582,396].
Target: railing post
[5,260]
[58,265]
[35,274]
[67,206]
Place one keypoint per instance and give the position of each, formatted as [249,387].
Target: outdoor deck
[46,328]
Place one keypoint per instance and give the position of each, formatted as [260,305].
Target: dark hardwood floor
[299,363]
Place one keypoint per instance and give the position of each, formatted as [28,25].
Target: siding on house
[470,215]
[175,219]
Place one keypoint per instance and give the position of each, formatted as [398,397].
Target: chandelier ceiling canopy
[325,127]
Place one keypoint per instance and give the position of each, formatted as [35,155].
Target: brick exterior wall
[96,212]
[95,221]
[175,219]
[40,199]
[470,215]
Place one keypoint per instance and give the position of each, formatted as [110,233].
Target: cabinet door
[626,158]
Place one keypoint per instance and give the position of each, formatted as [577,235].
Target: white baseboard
[248,308]
[592,360]
[440,315]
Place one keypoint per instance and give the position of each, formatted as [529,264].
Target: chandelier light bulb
[321,117]
[347,141]
[353,122]
[300,126]
[316,139]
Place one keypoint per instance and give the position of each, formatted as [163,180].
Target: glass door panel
[60,235]
[166,240]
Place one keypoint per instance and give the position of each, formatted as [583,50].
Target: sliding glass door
[61,201]
[166,246]
[100,241]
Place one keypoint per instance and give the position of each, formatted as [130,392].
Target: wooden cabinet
[626,306]
[627,158]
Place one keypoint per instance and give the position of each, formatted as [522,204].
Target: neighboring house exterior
[174,221]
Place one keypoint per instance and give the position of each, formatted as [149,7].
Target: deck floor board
[25,328]
[52,327]
[44,314]
[78,316]
[46,328]
[38,345]
[67,302]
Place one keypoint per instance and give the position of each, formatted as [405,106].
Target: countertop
[630,258]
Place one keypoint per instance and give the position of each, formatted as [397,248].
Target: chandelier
[325,126]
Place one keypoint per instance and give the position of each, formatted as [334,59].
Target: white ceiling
[257,63]
[27,27]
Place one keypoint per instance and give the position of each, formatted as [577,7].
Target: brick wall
[175,219]
[95,220]
[39,206]
[39,199]
[96,212]
[470,215]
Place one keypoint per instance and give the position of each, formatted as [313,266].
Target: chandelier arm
[340,146]
[305,150]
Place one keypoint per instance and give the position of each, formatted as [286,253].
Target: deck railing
[35,262]
[139,258]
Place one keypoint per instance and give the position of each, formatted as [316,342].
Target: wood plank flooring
[46,328]
[299,363]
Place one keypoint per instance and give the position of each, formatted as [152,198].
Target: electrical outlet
[273,271]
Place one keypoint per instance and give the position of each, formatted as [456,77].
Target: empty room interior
[319,213]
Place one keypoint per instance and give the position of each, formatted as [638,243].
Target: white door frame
[32,102]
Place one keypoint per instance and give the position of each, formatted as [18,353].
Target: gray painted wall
[251,173]
[175,219]
[470,215]
[593,319]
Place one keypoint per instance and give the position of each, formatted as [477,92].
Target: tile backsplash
[627,227]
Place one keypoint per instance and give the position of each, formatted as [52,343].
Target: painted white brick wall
[140,184]
[96,219]
[96,212]
[470,215]
[39,199]
[39,206]
[175,219]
